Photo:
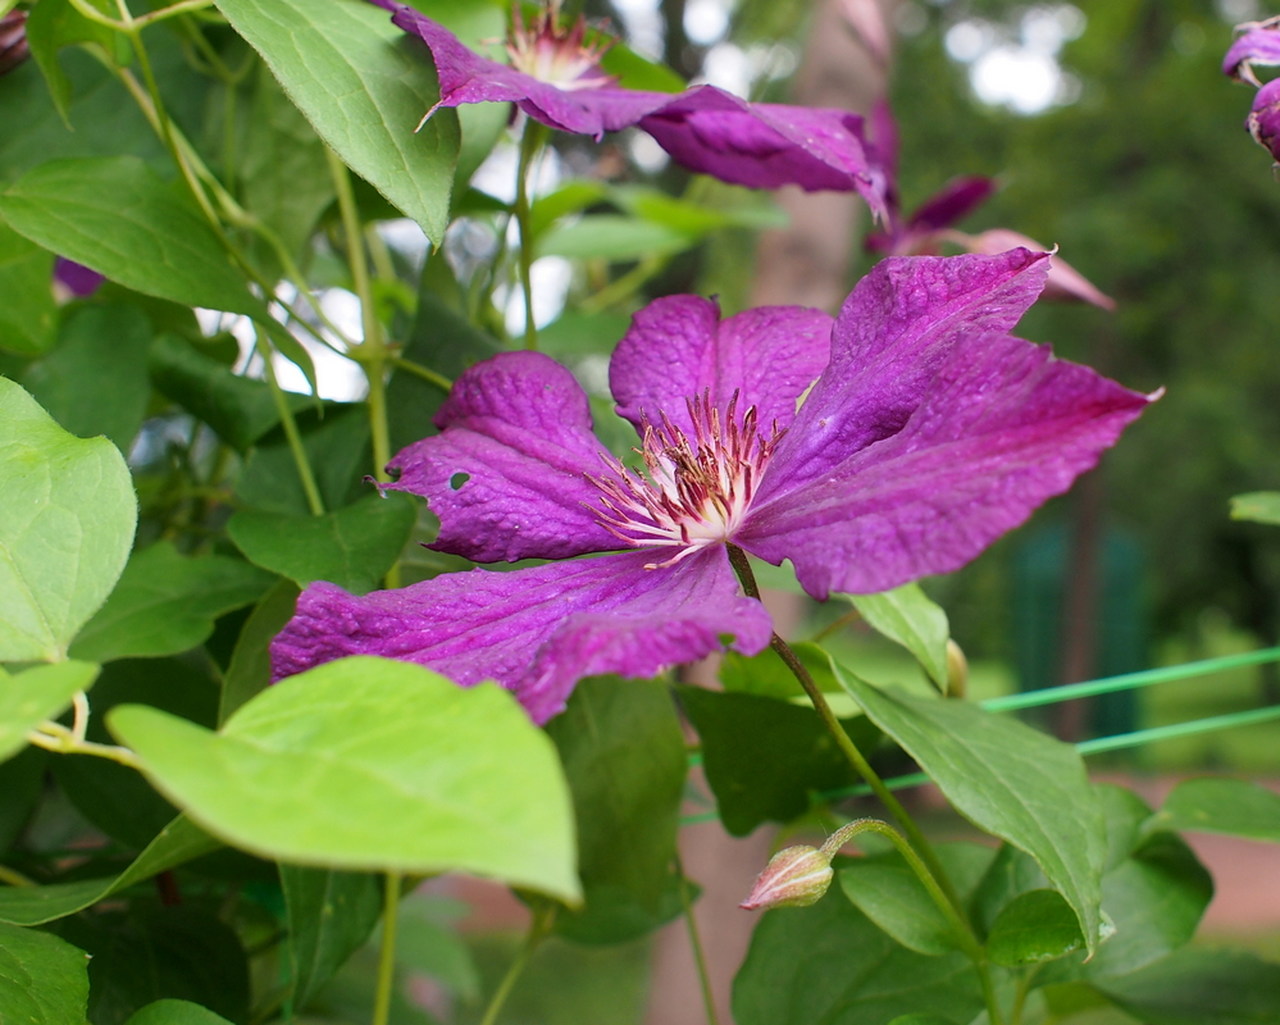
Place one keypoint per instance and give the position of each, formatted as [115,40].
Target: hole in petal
[458,479]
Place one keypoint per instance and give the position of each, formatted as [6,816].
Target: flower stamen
[694,491]
[559,55]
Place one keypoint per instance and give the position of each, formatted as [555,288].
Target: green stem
[294,438]
[539,927]
[530,144]
[695,943]
[387,955]
[426,373]
[917,839]
[12,877]
[55,737]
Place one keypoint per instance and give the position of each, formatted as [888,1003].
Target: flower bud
[794,878]
[1264,119]
[13,40]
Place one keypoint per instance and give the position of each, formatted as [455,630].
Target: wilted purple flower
[929,433]
[930,226]
[555,78]
[1264,119]
[1258,43]
[13,40]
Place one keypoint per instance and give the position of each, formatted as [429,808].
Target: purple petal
[506,474]
[467,77]
[767,145]
[899,325]
[13,40]
[1001,427]
[677,347]
[536,631]
[1260,44]
[954,201]
[1264,119]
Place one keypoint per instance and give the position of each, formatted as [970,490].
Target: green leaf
[767,676]
[239,410]
[624,757]
[179,842]
[250,668]
[886,890]
[43,980]
[829,963]
[1035,927]
[95,381]
[115,215]
[573,335]
[336,441]
[67,514]
[26,282]
[1007,779]
[363,85]
[22,781]
[909,617]
[30,697]
[374,765]
[766,759]
[613,237]
[921,1019]
[175,1012]
[353,547]
[1235,807]
[146,953]
[51,27]
[1200,987]
[1156,899]
[166,603]
[1259,506]
[329,915]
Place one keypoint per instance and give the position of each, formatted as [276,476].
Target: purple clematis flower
[13,40]
[1264,119]
[555,77]
[929,432]
[1258,43]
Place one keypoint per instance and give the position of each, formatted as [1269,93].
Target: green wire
[1068,692]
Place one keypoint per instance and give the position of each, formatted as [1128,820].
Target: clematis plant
[555,78]
[928,432]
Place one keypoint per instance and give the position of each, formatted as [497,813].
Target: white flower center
[695,491]
[555,54]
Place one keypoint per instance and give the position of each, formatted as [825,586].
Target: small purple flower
[555,78]
[76,278]
[928,433]
[1264,119]
[1258,43]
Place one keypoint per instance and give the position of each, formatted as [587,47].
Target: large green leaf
[250,668]
[1200,987]
[166,603]
[43,980]
[624,756]
[67,515]
[371,764]
[115,215]
[177,843]
[29,698]
[1035,927]
[887,891]
[765,759]
[95,381]
[26,276]
[329,915]
[363,85]
[1235,807]
[908,616]
[1007,779]
[829,963]
[352,547]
